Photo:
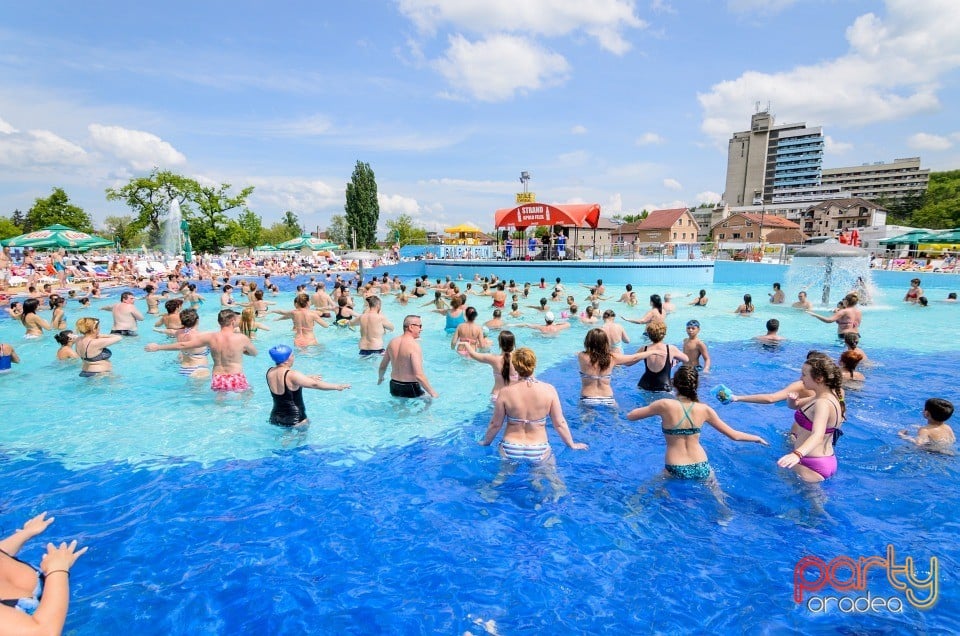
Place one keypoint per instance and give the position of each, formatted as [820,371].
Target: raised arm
[770,398]
[677,354]
[716,422]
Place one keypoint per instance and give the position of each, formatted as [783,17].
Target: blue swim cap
[281,353]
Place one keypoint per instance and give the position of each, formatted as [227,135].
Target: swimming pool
[204,519]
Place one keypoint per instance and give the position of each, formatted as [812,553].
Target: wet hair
[514,306]
[189,318]
[686,380]
[126,295]
[149,289]
[748,300]
[373,302]
[470,313]
[823,369]
[573,308]
[609,313]
[850,359]
[252,286]
[657,302]
[915,280]
[524,361]
[629,287]
[87,325]
[258,294]
[851,299]
[776,285]
[773,325]
[497,313]
[303,300]
[596,345]
[589,311]
[225,316]
[952,296]
[173,305]
[851,339]
[29,307]
[507,342]
[63,338]
[923,301]
[703,292]
[54,301]
[656,331]
[939,409]
[247,318]
[543,302]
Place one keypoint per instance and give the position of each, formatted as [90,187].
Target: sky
[625,103]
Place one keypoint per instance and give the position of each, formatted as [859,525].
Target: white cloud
[25,151]
[672,184]
[574,159]
[396,204]
[496,68]
[891,70]
[649,138]
[296,194]
[926,141]
[614,204]
[605,20]
[662,6]
[708,197]
[466,185]
[578,130]
[759,6]
[834,147]
[142,150]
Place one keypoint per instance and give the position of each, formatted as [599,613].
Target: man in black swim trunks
[125,315]
[407,378]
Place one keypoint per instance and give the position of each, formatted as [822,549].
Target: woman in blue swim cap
[286,388]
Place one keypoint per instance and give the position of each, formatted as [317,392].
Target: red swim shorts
[230,382]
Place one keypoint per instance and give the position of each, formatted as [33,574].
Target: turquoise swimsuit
[698,470]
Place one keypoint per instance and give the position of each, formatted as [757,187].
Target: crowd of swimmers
[522,404]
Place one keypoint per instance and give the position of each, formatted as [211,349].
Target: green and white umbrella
[56,237]
[265,248]
[307,241]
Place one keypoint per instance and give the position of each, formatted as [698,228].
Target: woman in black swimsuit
[92,348]
[286,388]
[653,378]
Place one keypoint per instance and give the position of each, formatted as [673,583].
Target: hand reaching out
[38,524]
[62,557]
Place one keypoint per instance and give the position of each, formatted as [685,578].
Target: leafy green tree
[278,233]
[208,223]
[17,218]
[251,227]
[404,232]
[150,197]
[57,208]
[338,232]
[941,203]
[362,207]
[292,222]
[124,229]
[8,228]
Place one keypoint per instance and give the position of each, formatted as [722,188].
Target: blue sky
[625,103]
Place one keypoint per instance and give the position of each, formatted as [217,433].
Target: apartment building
[895,180]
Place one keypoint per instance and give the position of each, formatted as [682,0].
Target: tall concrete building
[898,179]
[771,163]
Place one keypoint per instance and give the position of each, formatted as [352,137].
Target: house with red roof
[749,227]
[662,226]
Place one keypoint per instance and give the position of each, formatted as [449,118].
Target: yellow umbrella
[465,228]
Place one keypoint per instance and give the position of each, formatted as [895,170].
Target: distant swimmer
[848,317]
[936,435]
[125,315]
[802,302]
[303,319]
[373,326]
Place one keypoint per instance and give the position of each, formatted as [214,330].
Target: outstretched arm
[12,544]
[716,422]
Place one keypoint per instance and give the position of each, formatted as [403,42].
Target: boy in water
[772,336]
[696,348]
[936,435]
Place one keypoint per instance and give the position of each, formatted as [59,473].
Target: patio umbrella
[57,236]
[359,256]
[306,241]
[913,237]
[947,236]
[464,228]
[265,248]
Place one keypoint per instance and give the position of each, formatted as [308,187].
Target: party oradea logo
[813,578]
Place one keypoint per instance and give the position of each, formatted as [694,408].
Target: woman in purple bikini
[817,421]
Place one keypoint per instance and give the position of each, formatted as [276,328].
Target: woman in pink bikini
[817,421]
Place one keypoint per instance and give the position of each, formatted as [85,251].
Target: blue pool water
[204,519]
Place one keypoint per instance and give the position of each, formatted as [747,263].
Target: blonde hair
[657,331]
[247,317]
[524,361]
[87,325]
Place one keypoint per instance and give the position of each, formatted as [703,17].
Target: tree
[208,224]
[362,208]
[941,203]
[57,208]
[8,228]
[337,231]
[246,230]
[150,197]
[123,228]
[278,233]
[403,231]
[292,223]
[18,218]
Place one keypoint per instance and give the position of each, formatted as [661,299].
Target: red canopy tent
[523,216]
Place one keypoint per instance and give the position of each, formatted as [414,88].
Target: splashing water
[172,239]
